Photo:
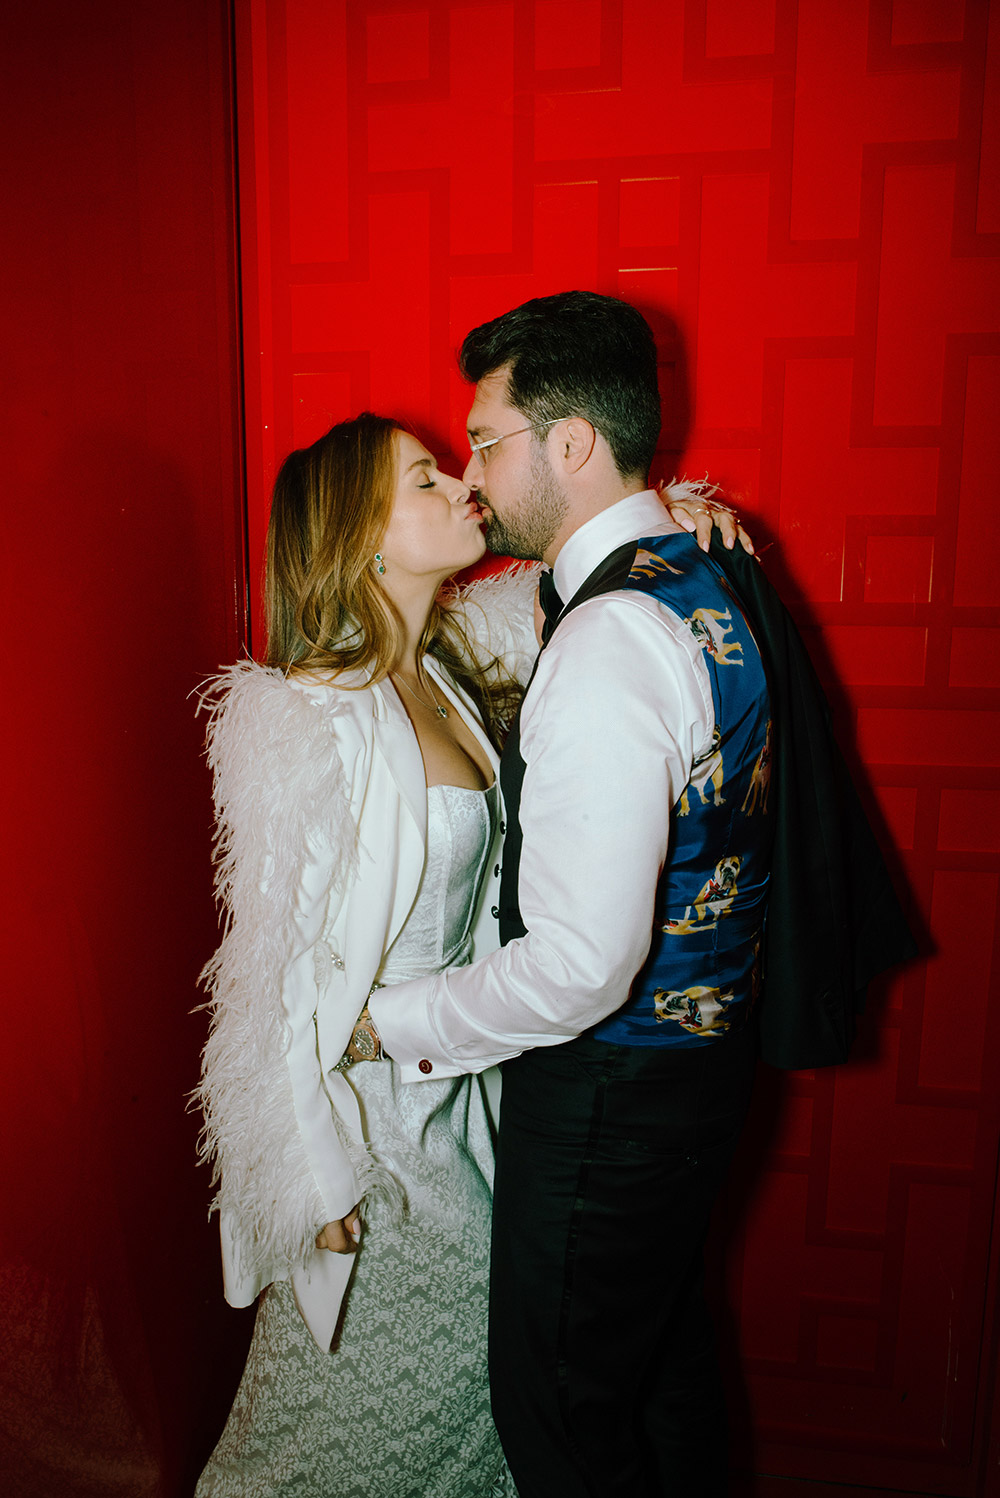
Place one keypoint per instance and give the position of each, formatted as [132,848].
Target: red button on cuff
[425,1067]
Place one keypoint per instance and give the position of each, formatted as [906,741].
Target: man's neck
[638,514]
[586,508]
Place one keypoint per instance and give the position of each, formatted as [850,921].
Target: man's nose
[473,472]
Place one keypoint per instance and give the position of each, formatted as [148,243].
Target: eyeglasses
[480,449]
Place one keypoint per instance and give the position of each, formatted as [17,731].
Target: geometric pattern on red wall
[804,198]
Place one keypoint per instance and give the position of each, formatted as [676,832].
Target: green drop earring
[379,564]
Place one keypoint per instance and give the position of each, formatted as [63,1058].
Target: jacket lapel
[397,743]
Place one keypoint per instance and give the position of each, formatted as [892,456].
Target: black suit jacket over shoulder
[834,919]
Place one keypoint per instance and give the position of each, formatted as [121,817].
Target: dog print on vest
[714,901]
[710,627]
[698,1010]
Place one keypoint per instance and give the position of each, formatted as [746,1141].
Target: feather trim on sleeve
[281,800]
[681,489]
[499,614]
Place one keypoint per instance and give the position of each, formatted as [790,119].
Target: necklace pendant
[442,712]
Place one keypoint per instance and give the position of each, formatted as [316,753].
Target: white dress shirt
[619,709]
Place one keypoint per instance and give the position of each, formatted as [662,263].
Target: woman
[359,825]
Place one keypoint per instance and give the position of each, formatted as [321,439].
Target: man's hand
[341,1237]
[700,512]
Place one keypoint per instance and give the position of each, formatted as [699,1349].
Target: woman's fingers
[699,515]
[341,1237]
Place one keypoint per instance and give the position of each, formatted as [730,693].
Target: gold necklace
[434,706]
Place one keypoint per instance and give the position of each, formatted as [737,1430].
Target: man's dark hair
[576,354]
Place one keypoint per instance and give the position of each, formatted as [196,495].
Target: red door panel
[803,198]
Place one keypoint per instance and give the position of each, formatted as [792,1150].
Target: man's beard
[529,531]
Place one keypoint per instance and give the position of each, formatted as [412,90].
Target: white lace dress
[399,1408]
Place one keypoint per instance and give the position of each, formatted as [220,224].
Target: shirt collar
[642,514]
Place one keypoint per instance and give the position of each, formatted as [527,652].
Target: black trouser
[602,1355]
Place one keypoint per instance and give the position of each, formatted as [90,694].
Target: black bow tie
[610,574]
[552,604]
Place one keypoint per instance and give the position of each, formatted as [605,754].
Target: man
[631,910]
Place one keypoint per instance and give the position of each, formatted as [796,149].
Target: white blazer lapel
[397,743]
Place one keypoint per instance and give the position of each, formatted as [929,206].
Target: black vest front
[611,574]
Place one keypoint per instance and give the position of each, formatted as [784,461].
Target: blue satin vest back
[703,969]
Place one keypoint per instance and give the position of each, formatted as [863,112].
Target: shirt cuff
[399,1013]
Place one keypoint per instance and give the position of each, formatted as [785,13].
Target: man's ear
[574,440]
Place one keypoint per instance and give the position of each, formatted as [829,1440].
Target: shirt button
[495,912]
[425,1067]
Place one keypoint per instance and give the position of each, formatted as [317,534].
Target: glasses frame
[478,449]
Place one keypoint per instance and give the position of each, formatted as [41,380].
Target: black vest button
[495,912]
[503,828]
[496,872]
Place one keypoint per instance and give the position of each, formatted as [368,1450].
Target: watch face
[363,1042]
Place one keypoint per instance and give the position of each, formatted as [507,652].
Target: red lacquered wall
[122,590]
[803,197]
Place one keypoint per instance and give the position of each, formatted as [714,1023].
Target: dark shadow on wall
[120,1357]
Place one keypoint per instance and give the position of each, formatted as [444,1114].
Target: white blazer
[322,811]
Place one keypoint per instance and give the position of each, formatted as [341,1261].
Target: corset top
[435,934]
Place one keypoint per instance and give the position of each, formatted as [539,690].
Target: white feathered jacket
[321,804]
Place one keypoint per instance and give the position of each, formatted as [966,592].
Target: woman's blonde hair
[325,607]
